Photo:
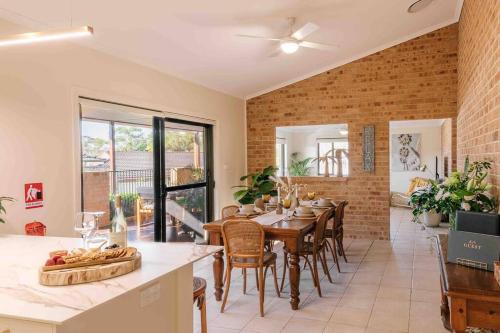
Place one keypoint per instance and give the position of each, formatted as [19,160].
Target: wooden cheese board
[77,273]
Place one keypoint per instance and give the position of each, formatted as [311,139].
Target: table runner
[269,218]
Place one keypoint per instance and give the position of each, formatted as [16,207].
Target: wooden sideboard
[469,297]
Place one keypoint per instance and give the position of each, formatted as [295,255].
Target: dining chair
[244,248]
[316,249]
[199,288]
[336,234]
[229,211]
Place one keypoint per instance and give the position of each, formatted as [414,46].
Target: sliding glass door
[162,169]
[184,168]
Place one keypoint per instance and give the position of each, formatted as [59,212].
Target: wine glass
[85,225]
[287,203]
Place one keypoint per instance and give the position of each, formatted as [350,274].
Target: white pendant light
[44,36]
[289,46]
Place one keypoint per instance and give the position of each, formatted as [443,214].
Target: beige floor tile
[342,328]
[304,325]
[429,296]
[357,302]
[350,316]
[265,325]
[390,314]
[394,293]
[425,317]
[382,330]
[367,278]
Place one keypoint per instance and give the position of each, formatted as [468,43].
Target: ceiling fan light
[289,47]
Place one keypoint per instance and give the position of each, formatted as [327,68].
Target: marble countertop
[22,297]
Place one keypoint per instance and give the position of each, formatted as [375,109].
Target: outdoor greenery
[258,184]
[299,168]
[2,207]
[133,138]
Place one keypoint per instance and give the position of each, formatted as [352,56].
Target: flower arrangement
[468,190]
[424,200]
[285,187]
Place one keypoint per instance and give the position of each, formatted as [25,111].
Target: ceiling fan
[295,39]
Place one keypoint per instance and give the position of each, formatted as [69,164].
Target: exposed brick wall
[478,84]
[412,80]
[96,194]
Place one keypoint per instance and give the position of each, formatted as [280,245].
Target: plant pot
[432,219]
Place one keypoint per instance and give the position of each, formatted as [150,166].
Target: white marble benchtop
[22,297]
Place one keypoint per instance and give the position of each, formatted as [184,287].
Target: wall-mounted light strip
[45,36]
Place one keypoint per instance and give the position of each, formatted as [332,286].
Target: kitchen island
[155,298]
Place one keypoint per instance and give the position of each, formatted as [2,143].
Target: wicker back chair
[336,234]
[229,211]
[244,248]
[315,248]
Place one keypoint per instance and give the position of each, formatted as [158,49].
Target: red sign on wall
[33,195]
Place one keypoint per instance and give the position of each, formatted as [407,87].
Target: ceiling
[416,123]
[195,39]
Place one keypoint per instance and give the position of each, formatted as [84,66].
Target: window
[281,157]
[336,150]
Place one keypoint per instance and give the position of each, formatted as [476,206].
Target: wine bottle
[118,233]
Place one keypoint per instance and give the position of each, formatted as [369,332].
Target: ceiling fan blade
[318,46]
[259,37]
[305,31]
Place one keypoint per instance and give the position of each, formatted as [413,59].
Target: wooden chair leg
[311,267]
[257,278]
[340,244]
[244,270]
[275,276]
[315,274]
[262,281]
[202,305]
[228,284]
[285,265]
[322,257]
[334,253]
[305,262]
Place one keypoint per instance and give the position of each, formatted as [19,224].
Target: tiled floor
[387,287]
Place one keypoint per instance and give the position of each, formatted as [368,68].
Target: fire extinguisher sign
[33,195]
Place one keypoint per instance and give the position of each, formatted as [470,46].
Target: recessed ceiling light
[418,5]
[289,47]
[44,36]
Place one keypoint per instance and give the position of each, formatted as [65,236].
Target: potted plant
[258,183]
[424,203]
[299,168]
[468,191]
[2,206]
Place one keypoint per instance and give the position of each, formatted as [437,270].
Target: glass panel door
[187,165]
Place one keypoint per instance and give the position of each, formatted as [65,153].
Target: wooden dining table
[291,233]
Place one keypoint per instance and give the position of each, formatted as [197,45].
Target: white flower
[465,206]
[469,197]
[446,195]
[439,195]
[488,194]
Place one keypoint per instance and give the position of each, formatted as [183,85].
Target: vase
[432,218]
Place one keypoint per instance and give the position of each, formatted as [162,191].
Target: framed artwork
[405,154]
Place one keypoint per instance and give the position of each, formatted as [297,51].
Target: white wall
[39,89]
[430,148]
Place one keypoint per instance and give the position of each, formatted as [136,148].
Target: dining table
[290,231]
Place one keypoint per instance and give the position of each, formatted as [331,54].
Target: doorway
[161,168]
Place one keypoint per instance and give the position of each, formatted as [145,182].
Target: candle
[279,194]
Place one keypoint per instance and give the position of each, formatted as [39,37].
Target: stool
[199,287]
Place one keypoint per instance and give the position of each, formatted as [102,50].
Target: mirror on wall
[312,150]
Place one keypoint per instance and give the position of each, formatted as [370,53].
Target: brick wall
[478,84]
[96,194]
[412,80]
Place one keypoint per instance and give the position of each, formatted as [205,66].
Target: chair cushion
[268,258]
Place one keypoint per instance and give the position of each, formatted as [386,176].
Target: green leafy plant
[258,183]
[299,168]
[467,190]
[2,207]
[424,200]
